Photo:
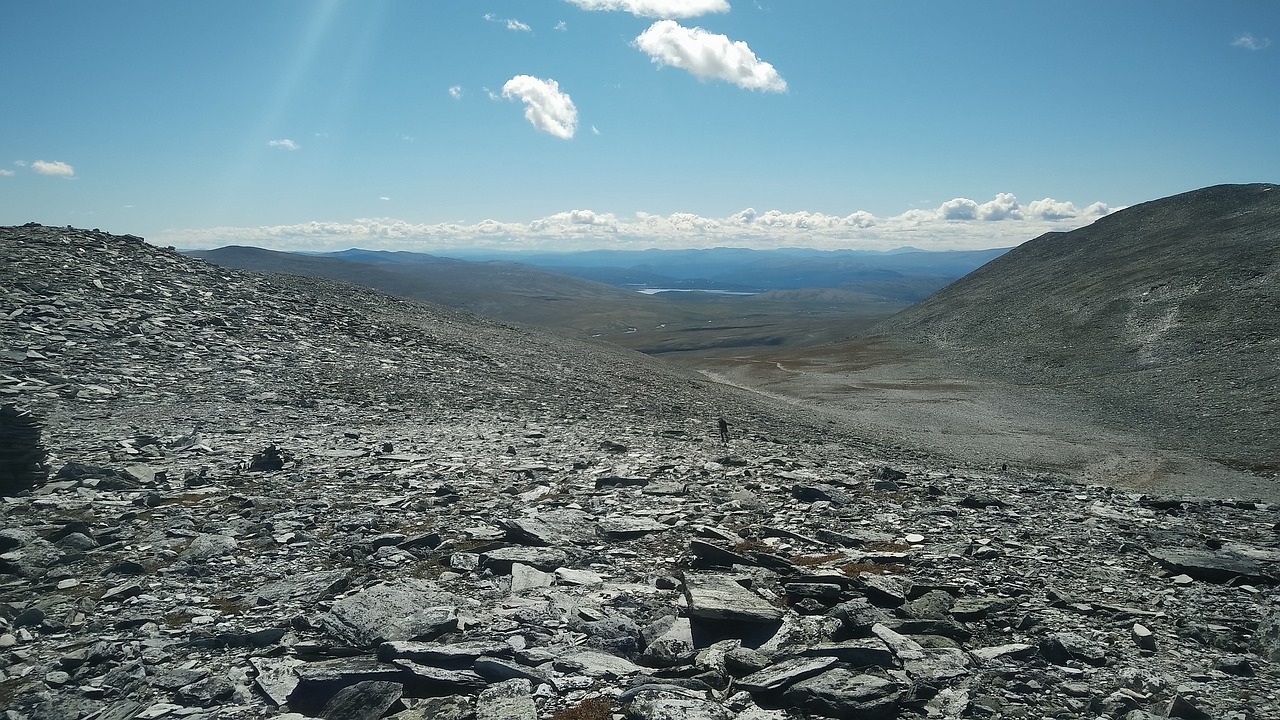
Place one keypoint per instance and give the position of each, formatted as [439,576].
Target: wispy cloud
[1249,42]
[510,23]
[961,223]
[708,56]
[455,91]
[53,167]
[6,173]
[546,107]
[284,144]
[561,26]
[657,8]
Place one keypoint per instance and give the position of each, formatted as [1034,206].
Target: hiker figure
[724,431]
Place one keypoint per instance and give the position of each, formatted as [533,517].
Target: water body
[655,291]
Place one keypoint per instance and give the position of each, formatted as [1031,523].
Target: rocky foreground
[282,497]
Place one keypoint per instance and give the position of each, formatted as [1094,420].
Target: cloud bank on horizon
[959,224]
[636,123]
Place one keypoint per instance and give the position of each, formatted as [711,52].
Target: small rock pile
[278,497]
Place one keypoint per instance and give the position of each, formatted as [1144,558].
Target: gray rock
[672,645]
[885,590]
[508,700]
[718,597]
[840,693]
[543,558]
[276,678]
[1220,566]
[784,674]
[448,655]
[1266,642]
[306,588]
[571,576]
[862,652]
[205,547]
[933,605]
[435,678]
[524,577]
[1063,647]
[597,664]
[668,703]
[450,707]
[363,701]
[496,669]
[397,610]
[1016,651]
[625,528]
[564,526]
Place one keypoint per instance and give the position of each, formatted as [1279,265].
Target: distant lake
[654,291]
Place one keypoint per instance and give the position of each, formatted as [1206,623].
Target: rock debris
[275,496]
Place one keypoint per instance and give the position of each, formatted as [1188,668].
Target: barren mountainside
[1165,315]
[271,496]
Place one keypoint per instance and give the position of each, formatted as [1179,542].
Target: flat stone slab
[542,558]
[841,693]
[629,527]
[399,610]
[718,597]
[597,664]
[508,700]
[441,654]
[1213,566]
[779,676]
[859,652]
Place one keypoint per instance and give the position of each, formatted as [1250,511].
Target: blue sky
[564,124]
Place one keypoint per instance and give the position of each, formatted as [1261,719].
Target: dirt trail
[904,397]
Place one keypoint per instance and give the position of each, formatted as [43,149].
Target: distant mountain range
[1166,315]
[905,274]
[789,297]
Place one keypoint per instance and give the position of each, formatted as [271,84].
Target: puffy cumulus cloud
[576,221]
[53,167]
[546,107]
[517,26]
[657,8]
[708,56]
[5,173]
[1004,207]
[959,209]
[1249,42]
[955,225]
[455,92]
[285,144]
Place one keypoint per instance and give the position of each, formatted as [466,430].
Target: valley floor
[905,397]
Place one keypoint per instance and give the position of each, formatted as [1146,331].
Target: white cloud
[1004,207]
[455,91]
[384,198]
[285,144]
[657,8]
[546,107]
[518,26]
[1249,42]
[932,229]
[561,26]
[708,56]
[595,130]
[959,209]
[53,167]
[5,173]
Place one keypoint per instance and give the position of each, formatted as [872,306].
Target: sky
[572,124]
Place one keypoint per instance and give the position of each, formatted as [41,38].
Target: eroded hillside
[280,497]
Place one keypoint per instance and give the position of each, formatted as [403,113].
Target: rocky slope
[1162,317]
[285,497]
